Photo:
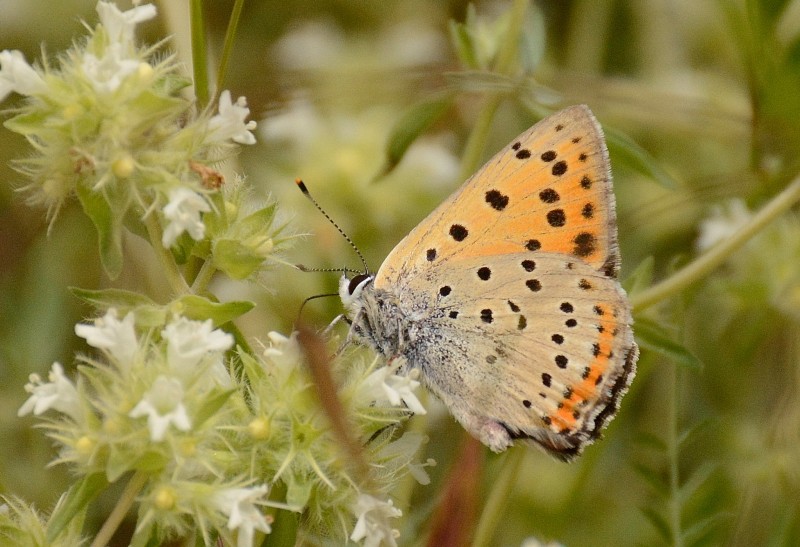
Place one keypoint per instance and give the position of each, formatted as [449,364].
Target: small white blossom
[16,75]
[163,405]
[385,385]
[108,72]
[239,504]
[536,542]
[111,334]
[373,521]
[120,25]
[183,213]
[722,223]
[188,342]
[229,123]
[58,394]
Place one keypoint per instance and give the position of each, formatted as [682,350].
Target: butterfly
[505,298]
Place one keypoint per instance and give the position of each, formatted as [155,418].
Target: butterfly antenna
[302,186]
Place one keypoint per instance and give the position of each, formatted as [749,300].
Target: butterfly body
[505,297]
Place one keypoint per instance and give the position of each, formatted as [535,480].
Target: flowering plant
[214,441]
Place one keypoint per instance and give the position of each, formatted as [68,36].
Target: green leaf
[298,490]
[697,531]
[148,313]
[257,222]
[76,499]
[108,224]
[687,433]
[236,259]
[627,151]
[658,523]
[412,123]
[210,406]
[654,337]
[29,123]
[641,278]
[200,308]
[653,478]
[121,461]
[695,481]
[112,298]
[462,42]
[649,440]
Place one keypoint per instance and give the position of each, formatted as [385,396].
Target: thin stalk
[199,52]
[498,497]
[673,455]
[504,64]
[708,261]
[174,277]
[227,46]
[124,503]
[204,276]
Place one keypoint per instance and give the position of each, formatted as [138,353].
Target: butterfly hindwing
[540,346]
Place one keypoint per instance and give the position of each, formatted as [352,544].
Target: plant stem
[199,52]
[174,276]
[498,497]
[204,276]
[708,261]
[124,503]
[672,455]
[227,47]
[504,64]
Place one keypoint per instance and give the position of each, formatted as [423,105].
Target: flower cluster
[163,403]
[109,126]
[215,441]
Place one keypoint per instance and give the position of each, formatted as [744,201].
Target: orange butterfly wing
[549,190]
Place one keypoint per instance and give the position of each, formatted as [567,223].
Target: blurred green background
[706,448]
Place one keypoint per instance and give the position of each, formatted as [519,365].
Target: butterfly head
[351,291]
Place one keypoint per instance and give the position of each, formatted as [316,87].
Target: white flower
[188,342]
[243,514]
[111,334]
[108,72]
[722,223]
[536,542]
[373,521]
[229,123]
[58,394]
[183,213]
[16,75]
[163,405]
[384,385]
[120,24]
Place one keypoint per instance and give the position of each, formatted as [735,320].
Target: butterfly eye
[355,282]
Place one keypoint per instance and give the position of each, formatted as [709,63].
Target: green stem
[707,262]
[672,454]
[227,47]
[125,501]
[473,151]
[174,277]
[199,52]
[204,276]
[498,497]
[504,64]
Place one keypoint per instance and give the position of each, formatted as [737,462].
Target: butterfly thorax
[376,316]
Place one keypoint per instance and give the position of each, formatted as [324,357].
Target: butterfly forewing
[549,190]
